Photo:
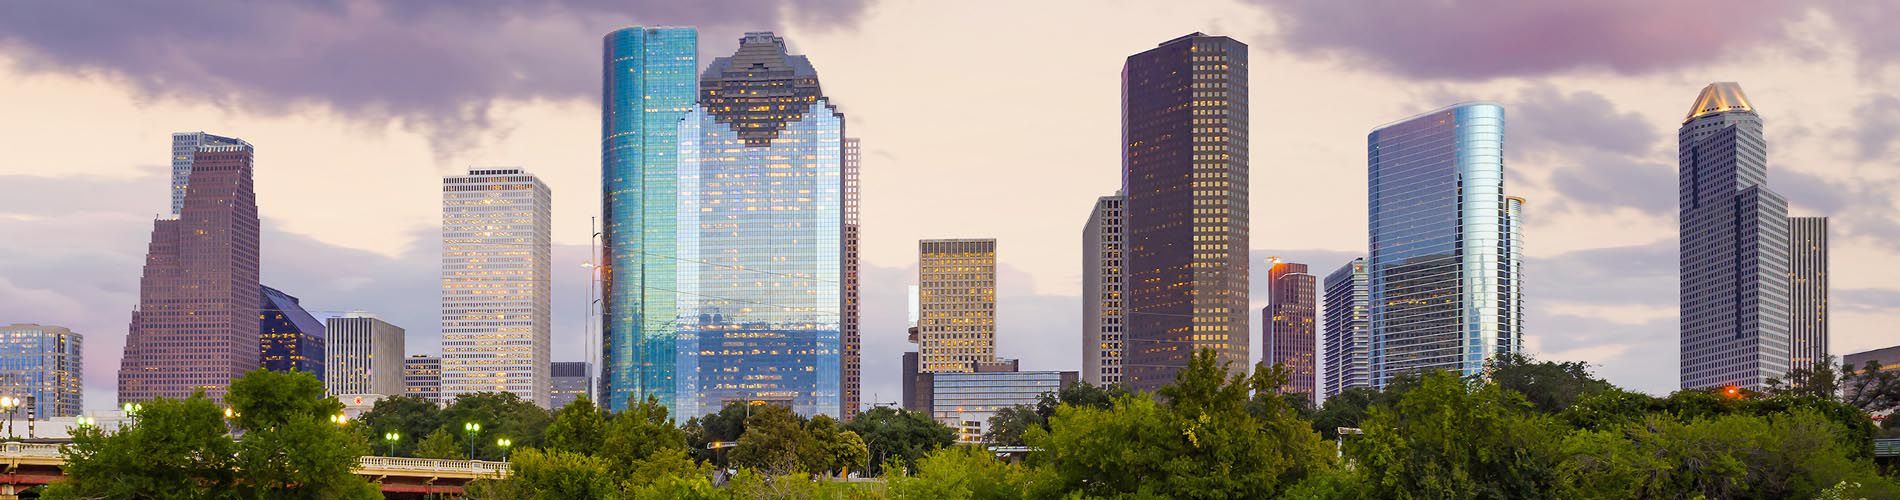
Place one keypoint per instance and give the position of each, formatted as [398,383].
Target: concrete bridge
[25,465]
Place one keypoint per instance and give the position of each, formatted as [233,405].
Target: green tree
[441,444]
[834,451]
[897,435]
[1345,409]
[1455,438]
[174,449]
[969,473]
[551,475]
[410,417]
[1779,455]
[501,414]
[290,447]
[1010,423]
[578,427]
[775,442]
[639,432]
[1549,386]
[726,425]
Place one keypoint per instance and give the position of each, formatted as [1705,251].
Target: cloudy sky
[979,119]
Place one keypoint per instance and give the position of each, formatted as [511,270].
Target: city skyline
[1581,207]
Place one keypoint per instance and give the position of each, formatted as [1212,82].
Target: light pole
[132,411]
[12,406]
[471,428]
[340,419]
[392,437]
[504,443]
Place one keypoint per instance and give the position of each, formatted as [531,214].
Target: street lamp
[471,428]
[504,443]
[392,437]
[132,411]
[12,406]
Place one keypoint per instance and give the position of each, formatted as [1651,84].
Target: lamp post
[340,419]
[471,428]
[504,443]
[12,406]
[392,437]
[132,411]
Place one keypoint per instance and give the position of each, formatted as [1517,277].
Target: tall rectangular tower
[956,303]
[1441,274]
[196,324]
[1102,288]
[1807,291]
[647,86]
[496,264]
[1184,172]
[42,365]
[1288,336]
[363,355]
[1734,247]
[853,350]
[1348,329]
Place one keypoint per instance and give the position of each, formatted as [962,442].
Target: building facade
[1102,289]
[291,339]
[965,401]
[568,382]
[1288,322]
[1348,328]
[761,244]
[1440,273]
[363,355]
[1184,173]
[1734,290]
[42,364]
[497,259]
[196,325]
[647,87]
[956,301]
[422,377]
[1807,291]
[852,340]
[184,148]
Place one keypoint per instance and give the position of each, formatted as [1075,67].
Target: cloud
[429,62]
[1877,127]
[1482,39]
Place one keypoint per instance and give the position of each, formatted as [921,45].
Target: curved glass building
[1443,287]
[647,87]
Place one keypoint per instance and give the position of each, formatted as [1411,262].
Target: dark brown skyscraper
[1288,336]
[196,326]
[1184,172]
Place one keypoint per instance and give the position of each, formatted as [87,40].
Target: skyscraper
[292,339]
[761,244]
[196,325]
[1184,172]
[497,228]
[853,347]
[184,148]
[568,381]
[42,364]
[1734,247]
[422,377]
[1807,291]
[363,355]
[1348,332]
[1288,336]
[956,303]
[1441,280]
[1102,293]
[647,87]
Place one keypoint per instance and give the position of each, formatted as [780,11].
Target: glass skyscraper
[760,236]
[1102,287]
[1287,334]
[1184,174]
[646,88]
[41,364]
[184,144]
[292,339]
[1348,334]
[1734,247]
[1441,275]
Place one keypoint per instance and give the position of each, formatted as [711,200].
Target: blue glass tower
[1442,280]
[760,235]
[292,339]
[647,86]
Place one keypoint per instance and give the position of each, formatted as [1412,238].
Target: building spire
[1719,97]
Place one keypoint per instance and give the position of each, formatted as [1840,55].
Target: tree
[899,435]
[1345,409]
[175,448]
[834,449]
[1779,455]
[637,433]
[1549,386]
[578,427]
[410,417]
[501,414]
[726,425]
[291,448]
[1010,423]
[441,445]
[775,443]
[551,475]
[1455,438]
[969,473]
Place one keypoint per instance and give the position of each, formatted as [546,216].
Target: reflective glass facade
[966,401]
[1441,280]
[1288,334]
[183,146]
[1348,329]
[292,339]
[1734,241]
[647,87]
[42,363]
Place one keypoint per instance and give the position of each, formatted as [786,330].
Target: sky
[989,119]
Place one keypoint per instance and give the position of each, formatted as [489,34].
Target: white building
[496,263]
[362,355]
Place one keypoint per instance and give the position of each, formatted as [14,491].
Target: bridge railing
[15,449]
[478,468]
